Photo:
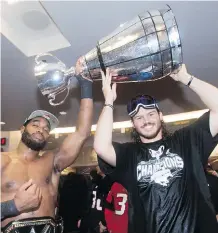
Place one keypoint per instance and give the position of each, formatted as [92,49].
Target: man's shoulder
[126,144]
[130,143]
[184,130]
[5,154]
[6,158]
[183,135]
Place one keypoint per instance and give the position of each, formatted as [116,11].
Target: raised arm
[103,135]
[71,146]
[207,92]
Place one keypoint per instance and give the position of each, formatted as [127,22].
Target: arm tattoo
[8,209]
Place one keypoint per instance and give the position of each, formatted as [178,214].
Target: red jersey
[117,221]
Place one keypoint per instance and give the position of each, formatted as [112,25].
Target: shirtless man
[24,163]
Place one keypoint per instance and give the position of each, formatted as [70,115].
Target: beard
[30,143]
[151,135]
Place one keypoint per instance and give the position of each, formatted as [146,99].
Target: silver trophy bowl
[53,77]
[146,48]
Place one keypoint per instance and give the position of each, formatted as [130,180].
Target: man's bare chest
[17,173]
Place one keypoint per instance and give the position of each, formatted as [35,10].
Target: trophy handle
[52,96]
[47,54]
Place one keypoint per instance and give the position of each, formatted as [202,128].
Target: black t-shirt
[166,182]
[73,199]
[99,195]
[213,186]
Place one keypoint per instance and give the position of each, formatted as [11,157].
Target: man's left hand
[102,227]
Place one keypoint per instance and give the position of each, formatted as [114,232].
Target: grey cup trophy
[146,48]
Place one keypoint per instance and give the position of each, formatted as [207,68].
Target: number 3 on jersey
[96,203]
[122,203]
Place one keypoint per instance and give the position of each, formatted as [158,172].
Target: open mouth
[38,137]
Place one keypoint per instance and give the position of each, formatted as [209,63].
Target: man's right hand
[109,92]
[28,197]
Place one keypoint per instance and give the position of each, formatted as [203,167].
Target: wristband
[86,87]
[8,209]
[109,105]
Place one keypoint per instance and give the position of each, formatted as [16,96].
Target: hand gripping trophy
[146,48]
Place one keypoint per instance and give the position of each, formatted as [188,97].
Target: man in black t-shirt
[73,200]
[212,179]
[94,221]
[212,176]
[163,174]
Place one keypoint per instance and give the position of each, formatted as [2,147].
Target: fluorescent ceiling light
[184,116]
[63,113]
[12,1]
[128,124]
